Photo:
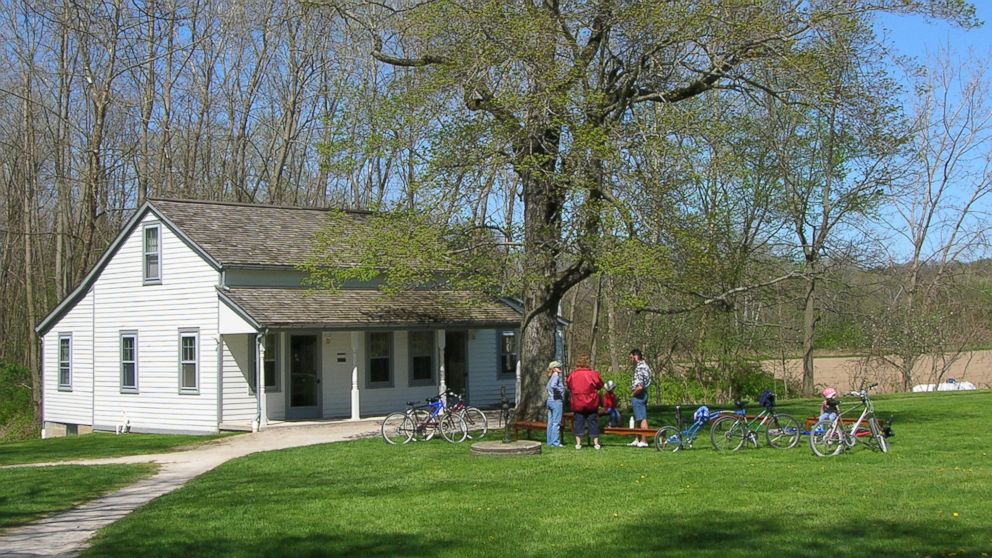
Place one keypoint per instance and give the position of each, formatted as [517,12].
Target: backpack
[767,399]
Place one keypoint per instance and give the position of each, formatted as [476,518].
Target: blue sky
[919,37]
[915,35]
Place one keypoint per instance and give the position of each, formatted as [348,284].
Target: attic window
[152,250]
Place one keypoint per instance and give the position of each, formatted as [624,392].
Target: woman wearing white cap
[556,391]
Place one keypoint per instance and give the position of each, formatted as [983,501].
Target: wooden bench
[617,431]
[529,425]
[567,420]
[811,421]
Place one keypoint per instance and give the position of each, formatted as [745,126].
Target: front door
[304,377]
[455,367]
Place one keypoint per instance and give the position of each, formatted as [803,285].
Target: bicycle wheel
[453,428]
[668,439]
[826,438]
[782,432]
[397,428]
[728,434]
[475,422]
[881,442]
[424,426]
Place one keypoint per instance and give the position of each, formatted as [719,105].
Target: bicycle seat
[411,403]
[740,404]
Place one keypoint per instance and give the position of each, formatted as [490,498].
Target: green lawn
[28,493]
[97,445]
[929,497]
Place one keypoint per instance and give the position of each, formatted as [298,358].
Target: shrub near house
[16,415]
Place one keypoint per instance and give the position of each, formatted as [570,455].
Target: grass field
[28,493]
[928,497]
[93,446]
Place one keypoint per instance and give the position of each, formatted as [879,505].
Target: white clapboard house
[195,302]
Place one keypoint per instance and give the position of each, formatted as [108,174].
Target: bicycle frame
[734,431]
[681,437]
[755,424]
[837,437]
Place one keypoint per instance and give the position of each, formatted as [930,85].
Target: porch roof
[370,309]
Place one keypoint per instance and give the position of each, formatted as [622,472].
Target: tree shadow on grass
[731,534]
[375,545]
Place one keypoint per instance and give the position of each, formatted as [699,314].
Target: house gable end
[87,283]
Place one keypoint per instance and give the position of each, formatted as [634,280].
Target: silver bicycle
[833,436]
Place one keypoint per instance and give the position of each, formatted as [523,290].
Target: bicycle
[422,422]
[731,432]
[475,420]
[831,437]
[674,438]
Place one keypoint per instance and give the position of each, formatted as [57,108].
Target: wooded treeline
[786,221]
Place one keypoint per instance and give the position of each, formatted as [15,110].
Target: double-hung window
[152,254]
[65,362]
[378,351]
[507,354]
[129,361]
[421,358]
[189,361]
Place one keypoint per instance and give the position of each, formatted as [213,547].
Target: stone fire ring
[519,447]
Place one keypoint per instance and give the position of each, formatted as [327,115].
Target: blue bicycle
[674,438]
[421,422]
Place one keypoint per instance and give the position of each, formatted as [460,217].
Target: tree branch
[426,60]
[722,298]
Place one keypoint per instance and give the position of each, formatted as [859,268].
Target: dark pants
[584,420]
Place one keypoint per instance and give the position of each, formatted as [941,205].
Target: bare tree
[940,213]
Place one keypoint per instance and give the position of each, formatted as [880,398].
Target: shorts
[639,405]
[582,420]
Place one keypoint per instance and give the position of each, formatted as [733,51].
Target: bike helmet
[610,385]
[702,414]
[829,393]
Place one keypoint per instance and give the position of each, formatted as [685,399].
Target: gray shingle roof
[347,308]
[240,235]
[253,236]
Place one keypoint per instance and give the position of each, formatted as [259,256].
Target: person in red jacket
[584,384]
[610,404]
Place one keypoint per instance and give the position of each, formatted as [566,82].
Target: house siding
[483,363]
[238,403]
[186,298]
[336,383]
[75,406]
[382,401]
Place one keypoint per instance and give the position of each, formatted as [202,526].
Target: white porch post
[355,397]
[263,415]
[439,336]
[516,385]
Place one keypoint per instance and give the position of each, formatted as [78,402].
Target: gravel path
[66,534]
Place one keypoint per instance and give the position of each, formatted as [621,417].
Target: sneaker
[634,444]
[642,444]
[596,446]
[578,446]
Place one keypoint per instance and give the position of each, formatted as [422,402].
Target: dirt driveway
[848,372]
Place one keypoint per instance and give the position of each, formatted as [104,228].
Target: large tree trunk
[543,201]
